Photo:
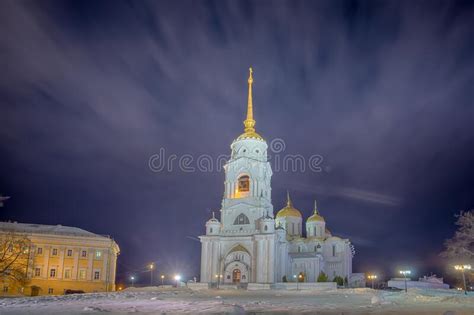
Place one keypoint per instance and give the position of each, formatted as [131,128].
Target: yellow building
[63,258]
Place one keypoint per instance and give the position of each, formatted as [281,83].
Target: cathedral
[252,245]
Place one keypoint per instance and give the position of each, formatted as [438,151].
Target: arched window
[243,183]
[210,230]
[265,228]
[241,219]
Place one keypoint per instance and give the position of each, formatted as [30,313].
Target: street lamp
[132,278]
[177,278]
[405,273]
[372,277]
[151,273]
[162,279]
[462,268]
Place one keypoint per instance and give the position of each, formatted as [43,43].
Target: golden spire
[249,123]
[315,207]
[288,200]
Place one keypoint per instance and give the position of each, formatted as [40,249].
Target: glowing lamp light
[177,277]
[162,276]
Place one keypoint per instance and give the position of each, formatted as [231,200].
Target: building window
[333,250]
[84,253]
[50,290]
[265,228]
[82,274]
[98,254]
[52,273]
[5,289]
[37,272]
[69,252]
[39,251]
[299,249]
[67,273]
[55,252]
[243,183]
[96,275]
[241,219]
[210,230]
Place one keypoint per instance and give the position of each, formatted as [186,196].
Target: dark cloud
[381,90]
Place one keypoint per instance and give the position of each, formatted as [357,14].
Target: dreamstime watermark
[188,163]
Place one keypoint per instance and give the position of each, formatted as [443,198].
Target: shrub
[322,277]
[339,280]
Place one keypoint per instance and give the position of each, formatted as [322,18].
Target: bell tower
[247,190]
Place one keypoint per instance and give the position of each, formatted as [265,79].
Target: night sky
[382,90]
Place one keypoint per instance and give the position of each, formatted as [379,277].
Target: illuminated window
[67,273]
[82,274]
[241,219]
[98,254]
[243,183]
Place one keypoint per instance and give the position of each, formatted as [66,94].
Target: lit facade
[63,258]
[250,244]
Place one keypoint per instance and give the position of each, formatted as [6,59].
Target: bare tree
[461,245]
[14,257]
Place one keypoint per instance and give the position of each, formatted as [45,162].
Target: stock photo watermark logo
[280,160]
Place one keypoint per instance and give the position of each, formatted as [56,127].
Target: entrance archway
[236,276]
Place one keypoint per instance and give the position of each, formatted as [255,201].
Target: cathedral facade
[252,245]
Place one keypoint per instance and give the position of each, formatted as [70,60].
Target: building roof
[46,229]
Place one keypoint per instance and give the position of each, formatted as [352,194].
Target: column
[106,262]
[89,272]
[75,268]
[46,253]
[61,263]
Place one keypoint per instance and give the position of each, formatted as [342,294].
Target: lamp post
[372,277]
[132,279]
[177,278]
[162,279]
[152,266]
[405,273]
[462,268]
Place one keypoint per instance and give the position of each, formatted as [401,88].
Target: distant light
[132,278]
[177,277]
[405,272]
[151,266]
[462,267]
[162,276]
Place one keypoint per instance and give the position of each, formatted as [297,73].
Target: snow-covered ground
[159,301]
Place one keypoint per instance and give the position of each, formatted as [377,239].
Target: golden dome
[315,217]
[289,210]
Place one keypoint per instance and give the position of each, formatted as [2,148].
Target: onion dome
[249,123]
[289,210]
[315,217]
